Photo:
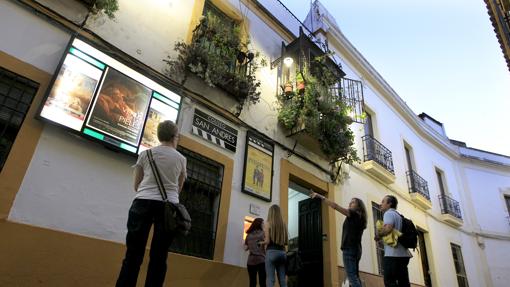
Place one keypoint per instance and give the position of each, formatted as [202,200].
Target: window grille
[16,95]
[201,195]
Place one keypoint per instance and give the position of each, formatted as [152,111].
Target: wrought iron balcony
[376,151]
[417,184]
[450,206]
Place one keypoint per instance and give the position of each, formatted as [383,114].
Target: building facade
[65,194]
[499,12]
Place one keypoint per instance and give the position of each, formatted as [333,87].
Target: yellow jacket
[390,239]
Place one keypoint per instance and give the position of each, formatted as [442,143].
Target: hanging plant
[108,7]
[320,112]
[217,55]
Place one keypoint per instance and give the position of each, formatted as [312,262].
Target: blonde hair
[277,229]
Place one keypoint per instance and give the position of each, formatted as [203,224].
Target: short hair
[167,130]
[392,200]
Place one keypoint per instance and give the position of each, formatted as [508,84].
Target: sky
[442,57]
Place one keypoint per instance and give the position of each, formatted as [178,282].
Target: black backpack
[409,237]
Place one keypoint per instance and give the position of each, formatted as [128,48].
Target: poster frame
[259,143]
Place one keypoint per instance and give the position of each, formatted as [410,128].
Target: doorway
[305,235]
[424,258]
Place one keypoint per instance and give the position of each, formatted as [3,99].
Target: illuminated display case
[100,98]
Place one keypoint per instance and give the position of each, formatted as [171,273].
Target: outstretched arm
[335,206]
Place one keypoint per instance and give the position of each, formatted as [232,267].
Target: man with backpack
[396,258]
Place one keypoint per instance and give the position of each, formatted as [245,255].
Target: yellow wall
[290,171]
[23,148]
[33,256]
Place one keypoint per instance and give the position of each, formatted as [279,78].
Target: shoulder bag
[176,216]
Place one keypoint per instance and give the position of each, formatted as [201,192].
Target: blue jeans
[275,261]
[142,215]
[351,258]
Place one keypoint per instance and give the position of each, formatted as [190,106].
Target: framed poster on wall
[258,167]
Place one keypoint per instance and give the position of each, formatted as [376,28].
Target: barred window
[201,195]
[16,95]
[459,265]
[379,246]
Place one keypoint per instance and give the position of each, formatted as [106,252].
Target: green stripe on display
[93,134]
[87,58]
[128,147]
[165,100]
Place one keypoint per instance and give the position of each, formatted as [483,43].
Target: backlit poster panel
[103,99]
[120,108]
[159,111]
[72,93]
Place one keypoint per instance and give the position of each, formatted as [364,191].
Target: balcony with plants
[418,189]
[450,210]
[218,55]
[317,104]
[377,160]
[107,7]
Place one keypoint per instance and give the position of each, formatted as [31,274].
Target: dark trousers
[142,215]
[252,272]
[395,272]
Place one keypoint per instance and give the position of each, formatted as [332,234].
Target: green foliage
[108,7]
[323,115]
[213,55]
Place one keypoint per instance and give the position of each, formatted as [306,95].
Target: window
[217,13]
[409,157]
[378,215]
[507,200]
[440,176]
[16,95]
[369,128]
[201,195]
[459,266]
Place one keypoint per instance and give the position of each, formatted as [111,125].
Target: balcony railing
[450,206]
[350,93]
[374,150]
[417,184]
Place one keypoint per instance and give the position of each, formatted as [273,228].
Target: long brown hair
[362,211]
[277,229]
[255,225]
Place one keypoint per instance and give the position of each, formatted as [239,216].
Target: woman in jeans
[256,259]
[276,238]
[352,231]
[148,206]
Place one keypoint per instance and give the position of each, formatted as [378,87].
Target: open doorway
[305,235]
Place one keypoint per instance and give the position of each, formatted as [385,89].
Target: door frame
[424,234]
[298,175]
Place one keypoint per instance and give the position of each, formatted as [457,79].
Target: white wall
[31,39]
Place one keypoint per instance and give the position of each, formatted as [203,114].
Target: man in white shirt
[396,258]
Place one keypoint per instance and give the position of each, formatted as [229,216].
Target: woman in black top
[352,231]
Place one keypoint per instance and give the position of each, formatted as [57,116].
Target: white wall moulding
[377,170]
[452,219]
[421,200]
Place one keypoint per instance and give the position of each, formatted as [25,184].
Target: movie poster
[72,92]
[258,168]
[120,107]
[158,112]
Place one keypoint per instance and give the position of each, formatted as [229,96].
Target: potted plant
[219,56]
[300,83]
[288,89]
[316,111]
